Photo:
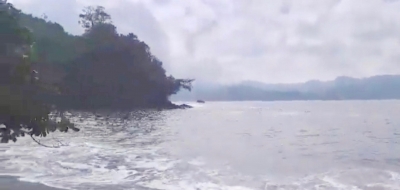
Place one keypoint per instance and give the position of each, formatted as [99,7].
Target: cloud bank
[264,40]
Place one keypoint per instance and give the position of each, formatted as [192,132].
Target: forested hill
[379,87]
[45,70]
[101,68]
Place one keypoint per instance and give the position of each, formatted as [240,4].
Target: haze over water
[224,145]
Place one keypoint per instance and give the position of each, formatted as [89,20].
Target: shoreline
[13,183]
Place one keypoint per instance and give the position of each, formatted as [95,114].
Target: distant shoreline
[13,183]
[379,87]
[294,100]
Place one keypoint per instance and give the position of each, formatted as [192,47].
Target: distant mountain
[342,88]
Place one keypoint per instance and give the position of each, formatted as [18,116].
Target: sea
[294,145]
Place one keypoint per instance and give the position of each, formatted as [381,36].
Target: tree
[99,69]
[52,44]
[116,70]
[92,16]
[12,35]
[21,112]
[174,85]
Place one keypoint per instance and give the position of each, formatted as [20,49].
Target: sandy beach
[12,183]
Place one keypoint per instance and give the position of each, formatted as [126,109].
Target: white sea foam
[124,154]
[90,163]
[90,160]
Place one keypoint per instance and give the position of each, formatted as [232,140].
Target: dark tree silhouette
[101,69]
[117,71]
[92,16]
[20,111]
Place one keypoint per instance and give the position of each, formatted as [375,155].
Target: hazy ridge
[342,88]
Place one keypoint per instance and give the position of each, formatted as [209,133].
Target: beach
[12,183]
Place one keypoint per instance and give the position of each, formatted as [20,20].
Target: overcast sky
[264,40]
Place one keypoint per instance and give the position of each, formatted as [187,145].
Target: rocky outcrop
[170,105]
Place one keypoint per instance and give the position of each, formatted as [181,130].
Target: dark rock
[174,106]
[201,101]
[184,106]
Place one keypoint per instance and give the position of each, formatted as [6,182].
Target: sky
[272,41]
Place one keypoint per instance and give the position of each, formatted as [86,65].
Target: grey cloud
[188,12]
[64,12]
[191,38]
[309,30]
[137,18]
[266,40]
[162,2]
[382,31]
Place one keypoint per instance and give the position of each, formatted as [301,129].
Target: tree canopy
[20,112]
[44,70]
[114,70]
[94,15]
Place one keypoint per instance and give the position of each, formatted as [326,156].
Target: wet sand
[12,183]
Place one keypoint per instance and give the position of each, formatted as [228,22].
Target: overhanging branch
[39,143]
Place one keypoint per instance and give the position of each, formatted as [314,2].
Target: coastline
[12,183]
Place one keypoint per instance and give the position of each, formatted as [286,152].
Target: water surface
[224,145]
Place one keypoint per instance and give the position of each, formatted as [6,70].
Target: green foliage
[115,70]
[100,69]
[20,111]
[93,16]
[177,84]
[52,43]
[12,35]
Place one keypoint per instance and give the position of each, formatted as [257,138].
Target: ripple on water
[133,151]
